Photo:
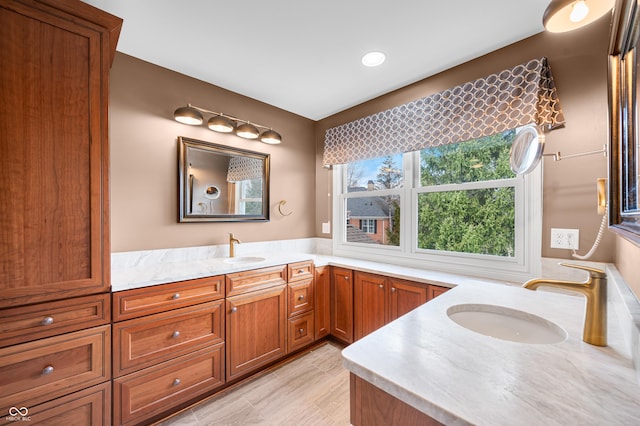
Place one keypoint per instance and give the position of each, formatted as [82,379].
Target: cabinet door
[406,296]
[53,151]
[435,291]
[256,329]
[342,304]
[322,307]
[370,303]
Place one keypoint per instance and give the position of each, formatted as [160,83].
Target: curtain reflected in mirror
[220,183]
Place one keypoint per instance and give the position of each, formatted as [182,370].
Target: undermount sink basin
[506,324]
[243,259]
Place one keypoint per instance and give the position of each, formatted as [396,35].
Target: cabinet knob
[393,289]
[47,321]
[234,309]
[176,296]
[176,382]
[301,271]
[47,370]
[301,297]
[346,278]
[301,331]
[175,334]
[381,285]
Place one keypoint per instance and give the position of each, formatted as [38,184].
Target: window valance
[524,94]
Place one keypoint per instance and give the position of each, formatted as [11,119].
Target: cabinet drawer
[150,300]
[300,331]
[152,391]
[300,270]
[300,297]
[145,341]
[91,406]
[48,368]
[257,279]
[26,323]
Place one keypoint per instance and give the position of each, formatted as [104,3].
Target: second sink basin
[243,259]
[506,324]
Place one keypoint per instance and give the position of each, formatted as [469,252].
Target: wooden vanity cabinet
[169,349]
[371,406]
[256,319]
[342,304]
[379,300]
[300,309]
[322,306]
[371,307]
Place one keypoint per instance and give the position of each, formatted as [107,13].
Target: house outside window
[456,208]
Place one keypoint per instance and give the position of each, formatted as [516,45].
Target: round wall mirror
[526,150]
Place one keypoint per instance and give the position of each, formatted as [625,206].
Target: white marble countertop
[450,373]
[461,377]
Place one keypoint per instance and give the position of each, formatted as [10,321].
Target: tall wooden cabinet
[55,60]
[55,337]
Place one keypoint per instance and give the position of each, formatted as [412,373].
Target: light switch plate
[326,227]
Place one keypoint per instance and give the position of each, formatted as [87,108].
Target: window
[457,208]
[368,226]
[249,196]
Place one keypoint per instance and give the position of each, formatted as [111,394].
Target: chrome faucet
[595,290]
[232,241]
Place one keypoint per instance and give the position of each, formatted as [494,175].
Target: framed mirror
[624,115]
[217,183]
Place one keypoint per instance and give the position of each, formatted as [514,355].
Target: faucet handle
[595,273]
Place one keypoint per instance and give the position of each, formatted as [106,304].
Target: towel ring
[280,204]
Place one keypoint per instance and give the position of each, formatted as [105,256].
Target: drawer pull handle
[301,331]
[176,296]
[175,334]
[301,271]
[47,321]
[301,297]
[176,382]
[47,370]
[234,309]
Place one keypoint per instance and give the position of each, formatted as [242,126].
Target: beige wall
[144,165]
[579,64]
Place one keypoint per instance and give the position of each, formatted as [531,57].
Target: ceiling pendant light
[188,115]
[568,15]
[247,131]
[271,137]
[221,124]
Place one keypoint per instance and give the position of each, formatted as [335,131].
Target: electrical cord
[603,226]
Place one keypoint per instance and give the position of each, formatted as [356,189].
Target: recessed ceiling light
[373,59]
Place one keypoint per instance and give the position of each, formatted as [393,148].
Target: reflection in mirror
[218,183]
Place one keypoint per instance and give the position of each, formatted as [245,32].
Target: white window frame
[528,226]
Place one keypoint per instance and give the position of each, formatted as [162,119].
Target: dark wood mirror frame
[624,121]
[218,183]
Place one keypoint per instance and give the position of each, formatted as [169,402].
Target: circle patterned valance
[524,94]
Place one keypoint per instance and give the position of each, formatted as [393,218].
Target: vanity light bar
[219,122]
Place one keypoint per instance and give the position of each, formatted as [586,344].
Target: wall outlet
[565,238]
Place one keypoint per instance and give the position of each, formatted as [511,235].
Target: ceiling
[304,56]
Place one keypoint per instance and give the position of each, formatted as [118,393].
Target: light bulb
[579,12]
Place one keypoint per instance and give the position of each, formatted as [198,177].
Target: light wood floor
[311,390]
